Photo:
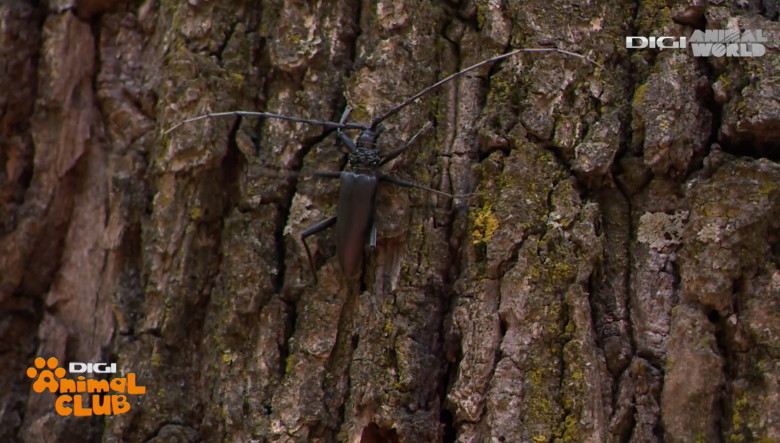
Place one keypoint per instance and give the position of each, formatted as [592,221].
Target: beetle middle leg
[407,184]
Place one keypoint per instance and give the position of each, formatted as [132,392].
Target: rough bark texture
[613,278]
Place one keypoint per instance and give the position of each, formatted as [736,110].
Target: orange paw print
[46,379]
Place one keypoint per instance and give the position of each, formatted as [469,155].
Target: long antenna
[375,122]
[269,115]
[409,100]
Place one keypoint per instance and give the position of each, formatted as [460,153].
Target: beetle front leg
[321,226]
[340,137]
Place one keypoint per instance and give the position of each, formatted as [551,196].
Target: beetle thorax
[366,156]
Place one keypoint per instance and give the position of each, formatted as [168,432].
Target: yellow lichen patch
[156,359]
[195,213]
[388,329]
[237,79]
[767,188]
[738,419]
[639,94]
[288,364]
[571,429]
[485,225]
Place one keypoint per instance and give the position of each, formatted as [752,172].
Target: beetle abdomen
[354,220]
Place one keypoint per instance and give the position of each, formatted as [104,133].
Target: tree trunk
[611,276]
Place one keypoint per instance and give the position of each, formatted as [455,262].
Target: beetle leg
[372,246]
[311,231]
[340,136]
[327,174]
[407,184]
[372,239]
[345,115]
[403,148]
[347,142]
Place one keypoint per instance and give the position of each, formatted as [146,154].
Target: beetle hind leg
[321,226]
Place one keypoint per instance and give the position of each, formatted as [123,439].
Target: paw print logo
[46,378]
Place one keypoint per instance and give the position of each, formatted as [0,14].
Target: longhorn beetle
[357,188]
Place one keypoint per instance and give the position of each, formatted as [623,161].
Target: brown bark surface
[612,277]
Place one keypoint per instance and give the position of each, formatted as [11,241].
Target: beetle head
[368,138]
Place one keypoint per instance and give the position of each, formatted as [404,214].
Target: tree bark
[612,275]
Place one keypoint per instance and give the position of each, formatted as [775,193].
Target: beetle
[357,190]
[358,185]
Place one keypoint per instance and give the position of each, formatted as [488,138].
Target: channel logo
[710,42]
[82,396]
